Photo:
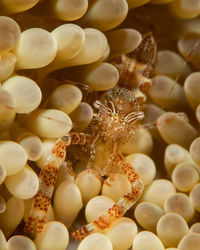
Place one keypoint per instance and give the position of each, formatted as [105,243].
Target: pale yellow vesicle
[122,233]
[97,206]
[143,165]
[15,6]
[24,184]
[36,48]
[48,123]
[96,241]
[105,14]
[171,64]
[171,228]
[123,41]
[116,187]
[147,215]
[18,160]
[69,10]
[89,184]
[147,240]
[65,98]
[10,219]
[181,204]
[9,33]
[19,242]
[54,236]
[185,176]
[25,92]
[7,64]
[158,191]
[67,202]
[81,116]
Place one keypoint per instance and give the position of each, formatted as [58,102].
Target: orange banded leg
[47,181]
[118,209]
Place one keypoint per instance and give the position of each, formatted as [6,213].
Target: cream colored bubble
[100,76]
[175,154]
[97,206]
[192,89]
[175,128]
[47,146]
[185,176]
[158,191]
[168,94]
[194,150]
[81,116]
[48,123]
[147,215]
[96,241]
[19,242]
[147,240]
[188,42]
[143,165]
[152,113]
[10,219]
[195,228]
[15,6]
[54,236]
[2,174]
[69,10]
[122,233]
[7,64]
[116,187]
[190,241]
[24,184]
[9,33]
[65,98]
[35,49]
[3,242]
[171,228]
[185,9]
[89,184]
[65,174]
[194,196]
[171,64]
[181,204]
[32,145]
[93,48]
[141,142]
[67,202]
[18,160]
[70,39]
[7,110]
[123,41]
[106,14]
[26,93]
[105,55]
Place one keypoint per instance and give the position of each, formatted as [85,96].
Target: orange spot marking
[114,212]
[59,149]
[102,222]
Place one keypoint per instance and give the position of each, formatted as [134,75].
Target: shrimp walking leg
[119,208]
[47,181]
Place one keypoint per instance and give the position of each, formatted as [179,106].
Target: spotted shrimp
[116,114]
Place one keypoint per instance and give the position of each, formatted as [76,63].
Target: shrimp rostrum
[115,118]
